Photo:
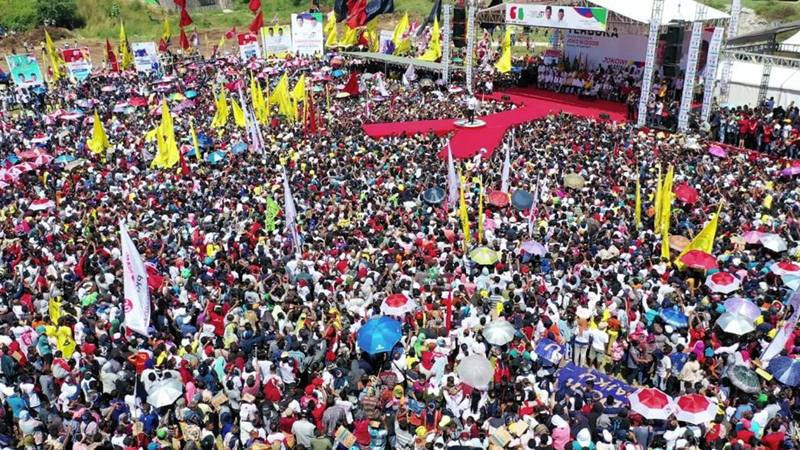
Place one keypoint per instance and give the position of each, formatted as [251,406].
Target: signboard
[549,350]
[78,62]
[556,16]
[25,70]
[145,56]
[248,46]
[277,40]
[575,378]
[607,49]
[307,36]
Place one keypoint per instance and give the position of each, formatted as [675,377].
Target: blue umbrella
[64,159]
[204,141]
[12,158]
[522,200]
[433,196]
[674,317]
[190,152]
[379,335]
[190,94]
[786,370]
[337,73]
[239,147]
[215,157]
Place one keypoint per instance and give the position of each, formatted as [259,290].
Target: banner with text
[307,35]
[607,49]
[145,57]
[78,62]
[25,70]
[575,378]
[556,16]
[248,46]
[277,40]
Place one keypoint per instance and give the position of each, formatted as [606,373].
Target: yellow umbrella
[484,256]
[574,181]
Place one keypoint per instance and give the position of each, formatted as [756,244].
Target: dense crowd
[261,338]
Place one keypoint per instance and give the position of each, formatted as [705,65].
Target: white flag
[506,170]
[290,212]
[533,207]
[779,341]
[452,180]
[410,76]
[137,295]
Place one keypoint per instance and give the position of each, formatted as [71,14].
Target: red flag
[111,57]
[163,46]
[352,85]
[363,39]
[79,269]
[257,23]
[230,34]
[358,13]
[254,5]
[180,4]
[184,40]
[186,20]
[311,116]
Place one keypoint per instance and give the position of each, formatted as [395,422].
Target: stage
[531,104]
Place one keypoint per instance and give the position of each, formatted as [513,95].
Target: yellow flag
[480,212]
[220,44]
[704,240]
[665,222]
[167,155]
[98,143]
[462,210]
[400,38]
[503,64]
[221,115]
[125,56]
[372,36]
[54,310]
[282,98]
[151,135]
[330,30]
[657,204]
[350,36]
[666,199]
[166,34]
[197,152]
[299,91]
[434,51]
[56,61]
[638,212]
[238,114]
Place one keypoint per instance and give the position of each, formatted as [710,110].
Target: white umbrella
[723,282]
[476,371]
[773,242]
[652,403]
[164,392]
[695,409]
[499,332]
[735,324]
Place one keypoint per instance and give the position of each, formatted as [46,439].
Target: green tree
[60,13]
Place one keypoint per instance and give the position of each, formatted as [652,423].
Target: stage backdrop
[25,70]
[307,36]
[248,46]
[78,61]
[277,40]
[555,16]
[605,48]
[145,56]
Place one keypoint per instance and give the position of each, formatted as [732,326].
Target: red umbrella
[723,282]
[137,101]
[695,409]
[651,403]
[397,305]
[686,193]
[698,259]
[499,199]
[785,268]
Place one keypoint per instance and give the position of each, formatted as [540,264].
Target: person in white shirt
[597,350]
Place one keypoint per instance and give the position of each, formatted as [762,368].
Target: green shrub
[60,13]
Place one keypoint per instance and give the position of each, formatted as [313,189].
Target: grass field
[771,10]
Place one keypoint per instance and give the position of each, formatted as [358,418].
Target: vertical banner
[690,76]
[711,71]
[248,46]
[135,288]
[447,11]
[145,57]
[307,35]
[782,337]
[78,62]
[650,61]
[733,30]
[25,70]
[277,40]
[470,45]
[386,44]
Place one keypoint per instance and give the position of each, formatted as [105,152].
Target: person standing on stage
[472,107]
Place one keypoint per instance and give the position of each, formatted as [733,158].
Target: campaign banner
[78,62]
[607,49]
[557,16]
[248,46]
[385,42]
[277,40]
[25,70]
[145,56]
[134,285]
[550,350]
[307,35]
[575,378]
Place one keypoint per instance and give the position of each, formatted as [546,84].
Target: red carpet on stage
[532,104]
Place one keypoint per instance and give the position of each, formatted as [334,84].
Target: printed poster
[248,46]
[277,40]
[25,70]
[557,16]
[307,35]
[145,56]
[78,62]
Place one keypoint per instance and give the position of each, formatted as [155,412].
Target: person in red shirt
[774,439]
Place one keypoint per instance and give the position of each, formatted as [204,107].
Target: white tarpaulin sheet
[674,10]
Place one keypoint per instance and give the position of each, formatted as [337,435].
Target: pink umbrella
[723,282]
[698,259]
[790,171]
[686,193]
[652,404]
[137,101]
[785,268]
[695,409]
[29,154]
[716,150]
[397,305]
[43,160]
[534,248]
[752,237]
[41,204]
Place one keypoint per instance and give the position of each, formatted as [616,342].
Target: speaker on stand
[459,26]
[672,52]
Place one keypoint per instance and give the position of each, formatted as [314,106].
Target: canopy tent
[784,83]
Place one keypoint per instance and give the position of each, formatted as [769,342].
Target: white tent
[674,10]
[784,83]
[793,40]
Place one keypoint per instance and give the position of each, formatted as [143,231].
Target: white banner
[557,16]
[779,341]
[277,40]
[145,56]
[711,71]
[137,295]
[307,35]
[607,49]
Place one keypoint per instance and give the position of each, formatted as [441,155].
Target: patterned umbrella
[723,282]
[785,369]
[785,268]
[397,305]
[695,409]
[652,404]
[744,379]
